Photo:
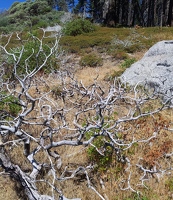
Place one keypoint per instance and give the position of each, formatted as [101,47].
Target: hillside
[71,129]
[29,15]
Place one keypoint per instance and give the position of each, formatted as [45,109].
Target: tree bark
[169,20]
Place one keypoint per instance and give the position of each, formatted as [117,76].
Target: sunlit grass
[104,38]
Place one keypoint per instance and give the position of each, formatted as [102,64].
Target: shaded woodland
[121,12]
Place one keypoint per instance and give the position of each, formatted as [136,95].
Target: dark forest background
[121,12]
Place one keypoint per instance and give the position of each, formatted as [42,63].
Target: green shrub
[30,12]
[38,7]
[35,20]
[4,30]
[52,18]
[102,161]
[133,48]
[78,26]
[74,44]
[3,21]
[41,24]
[9,104]
[15,7]
[91,60]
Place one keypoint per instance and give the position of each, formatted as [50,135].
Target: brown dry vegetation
[149,154]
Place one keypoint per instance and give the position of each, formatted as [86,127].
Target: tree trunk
[169,21]
[130,13]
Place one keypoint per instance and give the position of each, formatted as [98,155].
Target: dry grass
[75,156]
[151,153]
[88,75]
[8,189]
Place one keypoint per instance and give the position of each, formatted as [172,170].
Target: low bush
[102,161]
[41,24]
[3,21]
[78,26]
[133,48]
[35,20]
[10,104]
[4,30]
[91,60]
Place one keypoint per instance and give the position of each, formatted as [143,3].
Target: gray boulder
[155,69]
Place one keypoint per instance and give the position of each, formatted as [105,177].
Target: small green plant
[169,184]
[128,62]
[104,159]
[136,196]
[91,60]
[78,26]
[10,104]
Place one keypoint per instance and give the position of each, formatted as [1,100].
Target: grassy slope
[102,42]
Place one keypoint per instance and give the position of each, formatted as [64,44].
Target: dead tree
[77,117]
